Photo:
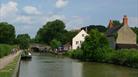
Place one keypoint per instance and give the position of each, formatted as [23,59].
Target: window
[80,42]
[77,42]
[82,35]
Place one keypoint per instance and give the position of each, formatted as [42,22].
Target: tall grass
[5,49]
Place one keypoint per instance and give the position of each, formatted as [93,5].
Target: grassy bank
[5,49]
[125,57]
[8,71]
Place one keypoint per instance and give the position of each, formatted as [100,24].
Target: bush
[126,57]
[95,46]
[103,54]
[5,49]
[75,54]
[94,41]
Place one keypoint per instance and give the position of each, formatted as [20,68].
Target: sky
[28,16]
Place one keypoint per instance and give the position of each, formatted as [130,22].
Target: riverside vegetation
[8,39]
[96,49]
[5,49]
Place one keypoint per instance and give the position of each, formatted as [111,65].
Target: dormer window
[80,42]
[77,42]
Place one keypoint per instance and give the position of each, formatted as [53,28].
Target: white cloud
[61,3]
[35,19]
[31,24]
[24,19]
[75,22]
[133,21]
[31,10]
[8,9]
[54,17]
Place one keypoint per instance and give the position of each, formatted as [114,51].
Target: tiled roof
[112,31]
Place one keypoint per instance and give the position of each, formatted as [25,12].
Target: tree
[23,40]
[100,28]
[117,23]
[67,36]
[55,44]
[135,29]
[51,30]
[93,43]
[7,33]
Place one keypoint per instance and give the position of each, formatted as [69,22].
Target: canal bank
[17,68]
[12,68]
[56,66]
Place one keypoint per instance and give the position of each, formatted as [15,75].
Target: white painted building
[78,39]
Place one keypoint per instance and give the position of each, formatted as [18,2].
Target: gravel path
[7,59]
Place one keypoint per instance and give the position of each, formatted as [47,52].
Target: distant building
[127,38]
[121,36]
[78,39]
[67,46]
[111,34]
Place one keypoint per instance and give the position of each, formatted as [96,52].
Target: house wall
[126,36]
[78,39]
[111,41]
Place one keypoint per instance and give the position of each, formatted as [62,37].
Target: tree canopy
[7,33]
[94,40]
[93,43]
[117,23]
[55,44]
[23,41]
[135,29]
[51,30]
[54,30]
[100,28]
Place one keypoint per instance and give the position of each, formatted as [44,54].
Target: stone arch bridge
[39,48]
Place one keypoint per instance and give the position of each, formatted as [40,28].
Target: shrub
[76,54]
[128,57]
[5,49]
[95,45]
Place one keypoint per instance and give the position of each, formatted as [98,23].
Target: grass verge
[10,68]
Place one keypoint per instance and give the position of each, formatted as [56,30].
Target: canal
[55,66]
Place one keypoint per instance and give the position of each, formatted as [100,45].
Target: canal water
[55,66]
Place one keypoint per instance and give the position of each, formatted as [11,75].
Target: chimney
[125,20]
[110,24]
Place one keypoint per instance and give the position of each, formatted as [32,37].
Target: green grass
[5,49]
[9,69]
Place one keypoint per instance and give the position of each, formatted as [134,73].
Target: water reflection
[47,66]
[107,70]
[77,69]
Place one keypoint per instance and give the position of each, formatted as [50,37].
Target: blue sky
[29,15]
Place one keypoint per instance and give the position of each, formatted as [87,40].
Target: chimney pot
[110,24]
[125,20]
